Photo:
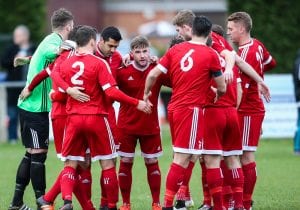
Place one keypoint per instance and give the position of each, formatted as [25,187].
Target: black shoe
[103,208]
[42,204]
[20,207]
[167,208]
[179,204]
[205,207]
[67,206]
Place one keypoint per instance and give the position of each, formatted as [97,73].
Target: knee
[150,160]
[127,159]
[39,157]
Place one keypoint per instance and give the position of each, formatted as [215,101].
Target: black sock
[22,179]
[67,202]
[38,173]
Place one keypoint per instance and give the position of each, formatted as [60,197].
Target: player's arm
[35,82]
[150,81]
[20,61]
[269,64]
[117,95]
[229,57]
[247,69]
[220,84]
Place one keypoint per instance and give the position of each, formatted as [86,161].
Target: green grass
[278,185]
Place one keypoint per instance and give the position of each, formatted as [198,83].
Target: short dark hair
[111,32]
[176,40]
[60,18]
[139,42]
[84,34]
[201,26]
[72,34]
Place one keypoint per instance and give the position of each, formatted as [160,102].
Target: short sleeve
[164,63]
[105,78]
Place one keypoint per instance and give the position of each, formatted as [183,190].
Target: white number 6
[75,79]
[187,57]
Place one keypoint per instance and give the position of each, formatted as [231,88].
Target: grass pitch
[278,185]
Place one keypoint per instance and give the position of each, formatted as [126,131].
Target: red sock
[184,191]
[84,201]
[125,180]
[111,186]
[249,183]
[174,180]
[215,182]
[206,194]
[154,180]
[54,190]
[67,182]
[103,200]
[85,181]
[237,182]
[227,195]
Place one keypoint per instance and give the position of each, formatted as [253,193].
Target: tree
[30,12]
[275,23]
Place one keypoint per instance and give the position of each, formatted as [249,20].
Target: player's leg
[101,144]
[212,152]
[151,149]
[207,203]
[126,152]
[232,149]
[187,128]
[251,130]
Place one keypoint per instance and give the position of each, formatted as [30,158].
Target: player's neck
[198,40]
[139,67]
[85,50]
[245,39]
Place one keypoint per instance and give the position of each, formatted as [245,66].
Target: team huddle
[215,113]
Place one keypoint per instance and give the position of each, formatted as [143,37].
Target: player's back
[219,43]
[92,74]
[190,67]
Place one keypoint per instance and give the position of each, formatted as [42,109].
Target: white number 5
[75,79]
[187,57]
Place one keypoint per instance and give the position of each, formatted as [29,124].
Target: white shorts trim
[155,155]
[232,152]
[187,151]
[104,157]
[125,154]
[212,152]
[249,148]
[74,158]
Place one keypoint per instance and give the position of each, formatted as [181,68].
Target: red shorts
[221,131]
[150,145]
[251,125]
[113,125]
[186,127]
[88,131]
[58,127]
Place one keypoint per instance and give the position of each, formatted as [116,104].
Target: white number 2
[187,57]
[75,79]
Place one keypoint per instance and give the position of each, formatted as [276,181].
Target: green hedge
[30,12]
[275,23]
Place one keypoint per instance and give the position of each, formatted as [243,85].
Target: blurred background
[275,23]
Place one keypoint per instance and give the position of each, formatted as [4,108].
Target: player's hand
[50,93]
[154,59]
[228,75]
[264,90]
[75,92]
[24,93]
[215,90]
[126,60]
[20,61]
[144,107]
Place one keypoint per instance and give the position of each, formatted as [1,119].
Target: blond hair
[139,42]
[184,17]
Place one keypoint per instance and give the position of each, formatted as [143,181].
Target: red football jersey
[59,107]
[229,99]
[114,61]
[190,67]
[91,73]
[219,43]
[131,80]
[258,57]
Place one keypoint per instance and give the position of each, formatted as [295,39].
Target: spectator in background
[21,47]
[296,78]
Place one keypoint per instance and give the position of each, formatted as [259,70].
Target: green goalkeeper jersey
[45,54]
